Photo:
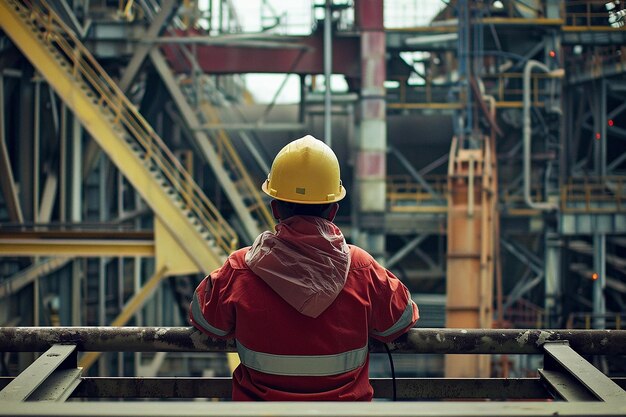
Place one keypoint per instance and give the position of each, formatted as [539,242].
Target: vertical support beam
[599,240]
[328,70]
[7,182]
[47,198]
[25,147]
[35,175]
[76,292]
[36,146]
[371,161]
[139,314]
[464,71]
[599,285]
[77,172]
[63,164]
[552,273]
[552,244]
[36,301]
[75,215]
[600,124]
[102,293]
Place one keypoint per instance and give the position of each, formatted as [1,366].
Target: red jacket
[301,304]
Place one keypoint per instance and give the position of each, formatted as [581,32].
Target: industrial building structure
[482,149]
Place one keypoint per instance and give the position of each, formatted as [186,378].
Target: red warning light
[552,54]
[595,276]
[598,136]
[610,122]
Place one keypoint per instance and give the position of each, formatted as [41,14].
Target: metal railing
[405,194]
[506,88]
[578,195]
[587,14]
[566,374]
[417,340]
[116,107]
[513,202]
[594,195]
[586,320]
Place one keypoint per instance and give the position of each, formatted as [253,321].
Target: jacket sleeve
[393,311]
[211,310]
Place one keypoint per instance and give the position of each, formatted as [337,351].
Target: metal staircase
[219,152]
[112,120]
[203,93]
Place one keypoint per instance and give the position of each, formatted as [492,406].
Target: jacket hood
[305,261]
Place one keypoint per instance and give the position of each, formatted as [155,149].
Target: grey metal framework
[566,375]
[54,178]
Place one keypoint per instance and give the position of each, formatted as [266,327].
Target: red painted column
[371,167]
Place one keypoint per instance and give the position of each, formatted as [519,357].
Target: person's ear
[275,211]
[332,212]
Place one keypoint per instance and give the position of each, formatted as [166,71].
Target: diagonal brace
[52,377]
[576,379]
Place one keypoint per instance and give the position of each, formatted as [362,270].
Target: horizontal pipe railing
[188,339]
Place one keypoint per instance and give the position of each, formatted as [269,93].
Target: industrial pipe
[188,339]
[530,64]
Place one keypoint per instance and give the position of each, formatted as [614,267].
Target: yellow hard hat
[305,171]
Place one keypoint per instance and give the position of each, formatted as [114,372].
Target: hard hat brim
[342,194]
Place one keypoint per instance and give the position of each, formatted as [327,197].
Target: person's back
[301,303]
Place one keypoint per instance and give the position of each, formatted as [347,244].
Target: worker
[301,302]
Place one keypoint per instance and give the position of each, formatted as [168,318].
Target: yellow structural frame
[76,248]
[110,139]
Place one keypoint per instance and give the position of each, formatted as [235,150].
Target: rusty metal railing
[506,88]
[578,195]
[188,339]
[57,376]
[405,194]
[586,320]
[594,195]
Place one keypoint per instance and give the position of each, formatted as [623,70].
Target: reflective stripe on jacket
[290,356]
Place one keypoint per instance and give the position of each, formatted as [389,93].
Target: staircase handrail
[232,158]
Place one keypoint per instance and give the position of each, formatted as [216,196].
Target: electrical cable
[393,371]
